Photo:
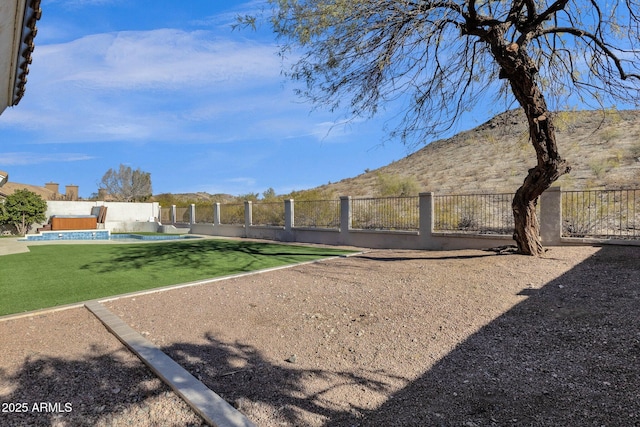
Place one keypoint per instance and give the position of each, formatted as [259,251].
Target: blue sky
[166,86]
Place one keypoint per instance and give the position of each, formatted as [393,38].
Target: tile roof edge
[32,14]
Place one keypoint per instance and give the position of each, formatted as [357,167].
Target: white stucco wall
[116,211]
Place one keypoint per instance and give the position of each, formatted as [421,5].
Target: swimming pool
[101,235]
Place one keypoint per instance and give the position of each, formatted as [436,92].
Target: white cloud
[163,85]
[227,19]
[160,59]
[28,158]
[151,85]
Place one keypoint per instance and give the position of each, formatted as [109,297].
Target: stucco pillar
[288,215]
[426,219]
[345,219]
[173,214]
[192,214]
[551,216]
[216,214]
[248,214]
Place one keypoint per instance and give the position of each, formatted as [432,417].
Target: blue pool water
[100,235]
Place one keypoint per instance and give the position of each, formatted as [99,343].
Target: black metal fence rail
[601,214]
[204,214]
[598,214]
[232,214]
[268,213]
[183,215]
[317,213]
[165,215]
[474,213]
[386,213]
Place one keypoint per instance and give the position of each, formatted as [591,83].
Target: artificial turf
[52,275]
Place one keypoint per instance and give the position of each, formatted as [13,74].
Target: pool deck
[11,245]
[17,245]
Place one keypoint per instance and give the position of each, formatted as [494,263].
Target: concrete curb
[211,407]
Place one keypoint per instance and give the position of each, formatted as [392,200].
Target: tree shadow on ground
[103,389]
[426,257]
[210,253]
[242,376]
[94,390]
[568,355]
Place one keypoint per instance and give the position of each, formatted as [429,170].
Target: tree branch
[598,42]
[556,7]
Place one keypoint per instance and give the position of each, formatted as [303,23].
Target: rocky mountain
[603,149]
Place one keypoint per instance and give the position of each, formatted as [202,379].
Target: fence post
[289,222]
[248,216]
[551,216]
[288,215]
[216,213]
[426,220]
[345,219]
[173,214]
[192,214]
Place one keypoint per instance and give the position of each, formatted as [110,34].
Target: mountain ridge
[603,148]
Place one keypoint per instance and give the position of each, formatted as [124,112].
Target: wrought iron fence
[474,213]
[386,213]
[317,213]
[601,214]
[268,213]
[165,215]
[232,214]
[183,215]
[204,213]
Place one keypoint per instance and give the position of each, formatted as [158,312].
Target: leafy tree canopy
[22,209]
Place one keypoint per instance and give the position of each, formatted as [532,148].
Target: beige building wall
[71,192]
[54,187]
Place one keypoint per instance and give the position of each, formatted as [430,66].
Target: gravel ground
[65,369]
[386,338]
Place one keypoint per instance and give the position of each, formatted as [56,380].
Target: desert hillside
[603,149]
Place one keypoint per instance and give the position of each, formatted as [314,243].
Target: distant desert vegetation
[603,148]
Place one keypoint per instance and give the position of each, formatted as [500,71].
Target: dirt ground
[385,338]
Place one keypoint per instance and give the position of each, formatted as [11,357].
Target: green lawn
[53,275]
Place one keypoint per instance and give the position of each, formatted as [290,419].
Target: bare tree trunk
[519,69]
[22,226]
[550,167]
[526,226]
[526,231]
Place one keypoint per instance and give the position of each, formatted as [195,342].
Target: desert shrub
[395,185]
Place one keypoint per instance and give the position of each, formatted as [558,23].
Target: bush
[22,209]
[394,185]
